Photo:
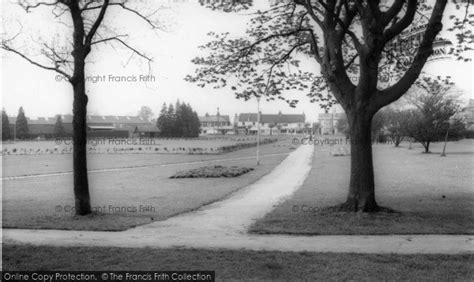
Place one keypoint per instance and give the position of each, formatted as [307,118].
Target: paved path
[223,225]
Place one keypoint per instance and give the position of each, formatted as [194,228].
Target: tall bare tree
[366,55]
[88,30]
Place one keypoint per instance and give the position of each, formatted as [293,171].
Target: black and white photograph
[237,140]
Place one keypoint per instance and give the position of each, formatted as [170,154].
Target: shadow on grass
[329,221]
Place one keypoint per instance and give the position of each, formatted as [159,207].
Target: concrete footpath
[224,224]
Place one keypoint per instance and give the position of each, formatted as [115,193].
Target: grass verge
[244,265]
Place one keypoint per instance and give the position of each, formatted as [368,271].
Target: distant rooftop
[91,119]
[215,118]
[273,118]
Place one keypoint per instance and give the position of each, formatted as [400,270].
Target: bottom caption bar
[108,276]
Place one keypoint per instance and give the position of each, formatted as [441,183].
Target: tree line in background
[178,120]
[20,130]
[430,113]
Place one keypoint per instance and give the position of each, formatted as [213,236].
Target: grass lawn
[121,199]
[17,165]
[432,194]
[244,265]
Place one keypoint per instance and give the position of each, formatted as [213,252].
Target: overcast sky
[39,92]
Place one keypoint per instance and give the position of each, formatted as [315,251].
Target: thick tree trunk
[361,195]
[81,183]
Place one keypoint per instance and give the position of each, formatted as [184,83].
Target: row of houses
[134,126]
[247,123]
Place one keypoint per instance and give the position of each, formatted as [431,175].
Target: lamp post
[218,121]
[258,130]
[443,154]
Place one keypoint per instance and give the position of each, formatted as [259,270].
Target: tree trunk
[361,195]
[79,124]
[427,146]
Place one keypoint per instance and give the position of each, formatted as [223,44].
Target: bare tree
[88,30]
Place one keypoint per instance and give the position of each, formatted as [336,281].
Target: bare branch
[146,18]
[97,23]
[117,38]
[351,61]
[55,68]
[25,5]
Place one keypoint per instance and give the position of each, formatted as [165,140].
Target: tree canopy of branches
[87,29]
[355,43]
[396,124]
[227,6]
[178,121]
[434,114]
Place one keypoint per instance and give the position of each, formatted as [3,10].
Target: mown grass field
[246,265]
[136,191]
[431,194]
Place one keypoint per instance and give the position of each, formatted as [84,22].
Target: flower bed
[212,171]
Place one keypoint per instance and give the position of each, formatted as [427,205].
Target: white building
[246,123]
[216,124]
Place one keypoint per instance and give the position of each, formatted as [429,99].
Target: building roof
[272,118]
[39,121]
[101,126]
[91,119]
[147,128]
[220,118]
[40,129]
[116,119]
